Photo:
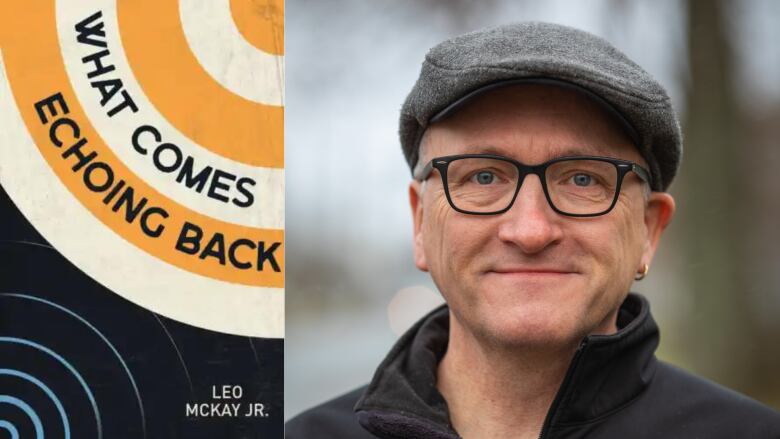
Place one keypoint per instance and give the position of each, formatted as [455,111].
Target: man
[541,156]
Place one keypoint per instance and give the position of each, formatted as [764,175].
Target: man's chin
[529,295]
[536,329]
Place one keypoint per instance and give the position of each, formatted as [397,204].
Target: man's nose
[530,223]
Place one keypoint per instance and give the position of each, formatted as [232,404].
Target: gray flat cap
[465,66]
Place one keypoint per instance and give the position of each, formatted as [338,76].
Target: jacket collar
[607,373]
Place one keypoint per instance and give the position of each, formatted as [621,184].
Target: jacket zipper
[564,386]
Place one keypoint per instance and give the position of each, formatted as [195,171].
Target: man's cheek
[630,221]
[439,223]
[631,239]
[434,243]
[438,208]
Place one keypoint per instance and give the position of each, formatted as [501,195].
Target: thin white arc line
[178,353]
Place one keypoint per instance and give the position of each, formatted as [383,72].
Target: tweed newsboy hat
[465,66]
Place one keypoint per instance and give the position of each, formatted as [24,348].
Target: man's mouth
[531,269]
[531,272]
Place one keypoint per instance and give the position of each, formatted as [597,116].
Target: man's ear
[658,215]
[415,200]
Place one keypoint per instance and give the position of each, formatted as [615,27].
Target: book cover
[141,219]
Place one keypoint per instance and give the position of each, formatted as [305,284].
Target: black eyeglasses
[487,184]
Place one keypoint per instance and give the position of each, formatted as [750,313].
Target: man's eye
[582,180]
[484,177]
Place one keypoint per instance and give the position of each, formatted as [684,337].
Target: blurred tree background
[351,283]
[729,196]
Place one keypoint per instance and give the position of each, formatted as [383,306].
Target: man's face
[532,276]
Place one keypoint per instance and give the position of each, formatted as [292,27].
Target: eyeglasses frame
[623,167]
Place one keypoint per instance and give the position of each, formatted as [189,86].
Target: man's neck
[498,391]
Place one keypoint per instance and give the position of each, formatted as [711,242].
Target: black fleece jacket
[614,388]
